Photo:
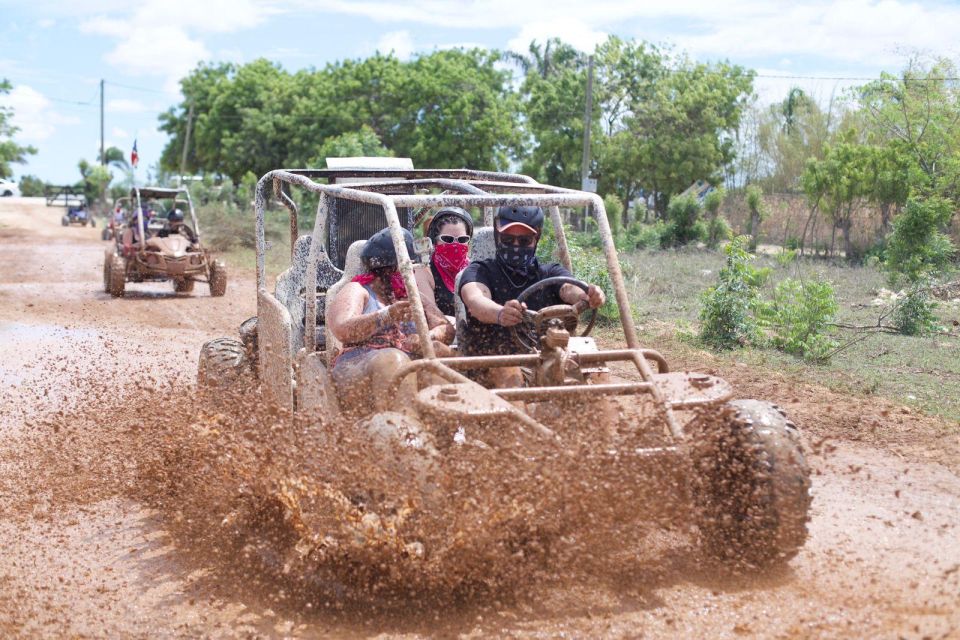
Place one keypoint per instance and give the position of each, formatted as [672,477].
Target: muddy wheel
[223,362]
[93,223]
[183,285]
[751,485]
[106,275]
[65,221]
[218,279]
[118,277]
[105,234]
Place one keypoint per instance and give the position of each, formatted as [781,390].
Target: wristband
[500,315]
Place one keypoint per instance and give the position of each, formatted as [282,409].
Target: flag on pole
[134,157]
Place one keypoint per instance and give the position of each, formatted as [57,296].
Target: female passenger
[450,230]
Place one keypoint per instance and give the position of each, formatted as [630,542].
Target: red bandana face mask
[396,282]
[450,259]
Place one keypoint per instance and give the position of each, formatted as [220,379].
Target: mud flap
[276,351]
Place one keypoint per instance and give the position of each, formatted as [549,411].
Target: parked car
[9,188]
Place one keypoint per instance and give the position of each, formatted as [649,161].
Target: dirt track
[883,558]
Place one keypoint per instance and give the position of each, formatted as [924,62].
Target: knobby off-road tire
[183,285]
[118,277]
[105,234]
[218,279]
[106,275]
[751,485]
[223,363]
[64,221]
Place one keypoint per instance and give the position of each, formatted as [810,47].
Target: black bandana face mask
[517,259]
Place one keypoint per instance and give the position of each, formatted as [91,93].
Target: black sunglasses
[518,241]
[446,239]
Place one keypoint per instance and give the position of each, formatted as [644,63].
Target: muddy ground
[92,558]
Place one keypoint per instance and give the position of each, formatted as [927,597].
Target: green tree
[681,130]
[31,186]
[94,179]
[10,151]
[363,142]
[918,248]
[918,114]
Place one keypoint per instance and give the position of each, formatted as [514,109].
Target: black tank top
[442,295]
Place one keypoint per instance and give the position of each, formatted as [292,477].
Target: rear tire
[223,362]
[106,275]
[118,277]
[183,286]
[65,221]
[93,223]
[218,279]
[751,485]
[105,234]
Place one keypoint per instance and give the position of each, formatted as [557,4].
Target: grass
[922,372]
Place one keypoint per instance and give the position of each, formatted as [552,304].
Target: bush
[913,313]
[588,262]
[683,223]
[726,319]
[718,231]
[917,249]
[614,210]
[798,316]
[642,236]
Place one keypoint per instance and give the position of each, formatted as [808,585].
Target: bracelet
[499,315]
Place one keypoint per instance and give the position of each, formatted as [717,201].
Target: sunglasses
[446,239]
[518,241]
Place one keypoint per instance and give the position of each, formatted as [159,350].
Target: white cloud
[161,37]
[571,30]
[125,105]
[119,133]
[399,42]
[33,114]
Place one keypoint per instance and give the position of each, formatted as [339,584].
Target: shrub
[718,231]
[726,319]
[758,213]
[588,262]
[917,248]
[913,313]
[683,222]
[798,316]
[614,210]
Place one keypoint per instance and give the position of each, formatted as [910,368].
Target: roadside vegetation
[814,238]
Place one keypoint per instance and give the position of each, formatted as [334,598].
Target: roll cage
[178,195]
[392,190]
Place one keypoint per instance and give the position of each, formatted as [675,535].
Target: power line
[127,86]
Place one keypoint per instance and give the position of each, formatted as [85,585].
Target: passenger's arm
[479,302]
[350,325]
[440,327]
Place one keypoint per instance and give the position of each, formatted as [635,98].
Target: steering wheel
[533,320]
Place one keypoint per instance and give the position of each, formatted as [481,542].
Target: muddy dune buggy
[77,215]
[737,464]
[157,254]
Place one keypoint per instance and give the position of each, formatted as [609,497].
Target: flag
[134,157]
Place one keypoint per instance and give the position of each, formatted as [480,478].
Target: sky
[56,53]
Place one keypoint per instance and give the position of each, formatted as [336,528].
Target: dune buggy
[738,463]
[157,255]
[77,215]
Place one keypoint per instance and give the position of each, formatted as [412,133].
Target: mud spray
[314,515]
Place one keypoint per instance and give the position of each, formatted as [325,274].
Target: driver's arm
[479,302]
[593,295]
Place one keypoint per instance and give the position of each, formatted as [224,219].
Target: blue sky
[55,53]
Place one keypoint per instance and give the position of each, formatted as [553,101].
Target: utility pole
[103,157]
[186,145]
[587,113]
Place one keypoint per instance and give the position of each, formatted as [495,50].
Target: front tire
[65,221]
[184,285]
[223,362]
[118,277]
[218,279]
[751,485]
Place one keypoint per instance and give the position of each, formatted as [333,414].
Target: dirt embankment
[96,520]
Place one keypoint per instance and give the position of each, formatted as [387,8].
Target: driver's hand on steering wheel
[595,296]
[511,314]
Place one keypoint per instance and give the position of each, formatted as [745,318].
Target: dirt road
[883,558]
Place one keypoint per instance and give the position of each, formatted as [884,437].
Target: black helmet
[378,251]
[445,215]
[175,216]
[530,217]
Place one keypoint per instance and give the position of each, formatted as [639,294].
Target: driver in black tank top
[489,289]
